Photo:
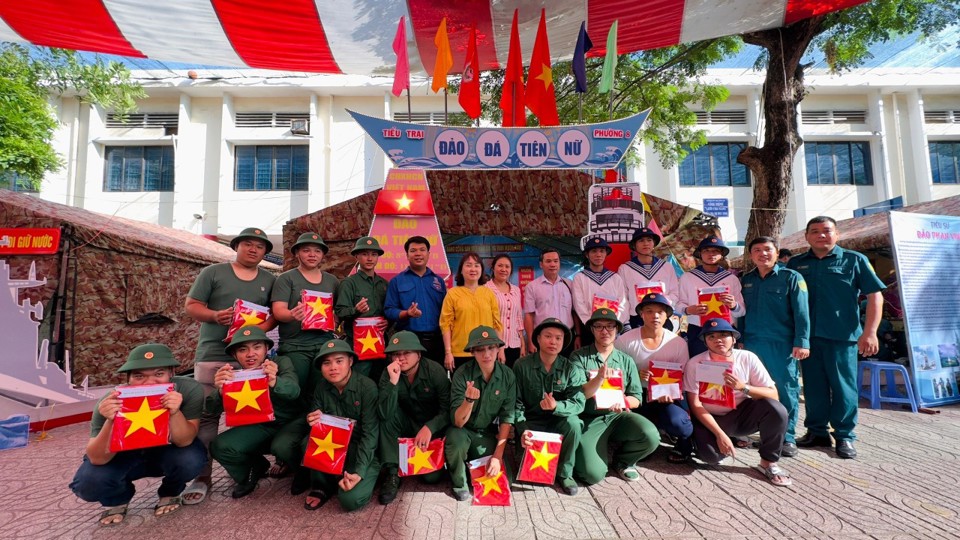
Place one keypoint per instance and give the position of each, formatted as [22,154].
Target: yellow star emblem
[546,75]
[665,378]
[369,342]
[325,445]
[715,391]
[713,305]
[143,418]
[251,318]
[490,483]
[403,203]
[607,385]
[319,306]
[420,460]
[542,458]
[246,397]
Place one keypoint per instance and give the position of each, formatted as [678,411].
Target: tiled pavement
[904,485]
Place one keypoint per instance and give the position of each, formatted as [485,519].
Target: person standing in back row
[363,295]
[415,298]
[708,275]
[550,296]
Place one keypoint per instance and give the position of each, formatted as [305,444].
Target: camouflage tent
[547,207]
[113,284]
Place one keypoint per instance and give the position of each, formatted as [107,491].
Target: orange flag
[142,422]
[444,58]
[469,97]
[511,97]
[541,460]
[540,94]
[244,314]
[246,399]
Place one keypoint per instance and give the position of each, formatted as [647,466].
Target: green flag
[610,62]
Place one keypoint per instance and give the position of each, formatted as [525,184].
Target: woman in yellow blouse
[465,307]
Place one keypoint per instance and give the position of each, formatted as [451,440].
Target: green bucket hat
[404,341]
[334,346]
[482,336]
[552,323]
[149,356]
[248,333]
[604,314]
[309,238]
[254,234]
[366,243]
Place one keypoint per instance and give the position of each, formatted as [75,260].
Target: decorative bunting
[245,314]
[246,399]
[327,444]
[142,422]
[414,461]
[541,460]
[318,310]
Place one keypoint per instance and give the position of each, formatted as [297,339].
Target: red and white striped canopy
[355,36]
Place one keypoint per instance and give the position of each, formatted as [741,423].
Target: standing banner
[926,251]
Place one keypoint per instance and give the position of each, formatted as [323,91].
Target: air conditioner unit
[300,126]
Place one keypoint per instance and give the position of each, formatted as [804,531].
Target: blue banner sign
[717,207]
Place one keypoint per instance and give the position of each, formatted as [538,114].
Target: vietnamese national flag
[540,461]
[368,341]
[611,390]
[710,297]
[246,399]
[142,422]
[540,94]
[644,288]
[717,394]
[401,74]
[511,97]
[444,58]
[469,97]
[488,490]
[404,203]
[665,380]
[327,444]
[600,302]
[414,461]
[245,314]
[318,310]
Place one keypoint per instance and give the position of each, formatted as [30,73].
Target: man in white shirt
[644,269]
[549,296]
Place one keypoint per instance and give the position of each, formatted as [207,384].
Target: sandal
[110,512]
[198,486]
[742,442]
[279,470]
[165,502]
[321,496]
[776,475]
[678,457]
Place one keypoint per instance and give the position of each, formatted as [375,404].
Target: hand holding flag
[140,420]
[244,314]
[490,487]
[318,310]
[540,458]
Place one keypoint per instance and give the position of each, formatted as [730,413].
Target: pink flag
[401,76]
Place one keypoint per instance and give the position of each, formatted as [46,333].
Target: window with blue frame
[838,163]
[16,182]
[138,168]
[272,168]
[714,164]
[944,157]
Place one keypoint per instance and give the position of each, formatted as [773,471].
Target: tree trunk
[772,163]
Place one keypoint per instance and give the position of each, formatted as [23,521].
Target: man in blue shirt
[415,297]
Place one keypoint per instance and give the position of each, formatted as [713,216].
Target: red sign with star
[665,380]
[540,461]
[414,461]
[710,297]
[142,422]
[246,399]
[245,314]
[714,393]
[488,490]
[396,202]
[327,444]
[611,390]
[368,339]
[318,310]
[647,287]
[601,302]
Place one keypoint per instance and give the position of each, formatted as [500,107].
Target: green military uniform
[351,290]
[777,320]
[638,436]
[835,283]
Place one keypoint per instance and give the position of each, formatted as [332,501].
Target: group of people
[478,365]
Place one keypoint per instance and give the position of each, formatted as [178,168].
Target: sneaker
[388,492]
[629,474]
[461,494]
[569,486]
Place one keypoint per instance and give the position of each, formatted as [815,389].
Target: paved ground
[903,486]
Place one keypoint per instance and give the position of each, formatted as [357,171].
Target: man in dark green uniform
[550,396]
[362,295]
[836,278]
[483,391]
[240,449]
[349,395]
[638,436]
[777,326]
[414,401]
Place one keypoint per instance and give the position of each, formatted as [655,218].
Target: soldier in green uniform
[836,278]
[638,436]
[777,326]
[362,295]
[482,392]
[350,395]
[550,396]
[240,449]
[414,401]
[210,301]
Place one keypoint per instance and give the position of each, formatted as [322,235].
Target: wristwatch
[746,391]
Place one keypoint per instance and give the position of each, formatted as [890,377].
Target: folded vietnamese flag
[488,490]
[368,340]
[318,310]
[712,390]
[327,444]
[611,391]
[415,461]
[246,399]
[142,422]
[665,380]
[245,314]
[647,287]
[710,297]
[600,302]
[540,461]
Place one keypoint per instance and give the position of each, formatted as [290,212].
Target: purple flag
[579,61]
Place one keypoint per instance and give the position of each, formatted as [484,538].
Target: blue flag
[579,58]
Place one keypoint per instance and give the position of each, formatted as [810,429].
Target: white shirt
[547,299]
[672,349]
[634,274]
[696,279]
[587,284]
[746,367]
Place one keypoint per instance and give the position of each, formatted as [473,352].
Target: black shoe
[388,492]
[809,440]
[242,489]
[788,449]
[569,486]
[461,494]
[845,450]
[301,481]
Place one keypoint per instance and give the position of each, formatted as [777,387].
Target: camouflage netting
[509,203]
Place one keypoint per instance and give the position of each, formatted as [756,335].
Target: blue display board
[717,207]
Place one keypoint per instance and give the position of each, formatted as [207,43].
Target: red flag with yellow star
[415,461]
[142,422]
[246,399]
[611,390]
[540,93]
[644,288]
[710,297]
[368,341]
[665,380]
[488,490]
[404,203]
[245,314]
[601,302]
[327,444]
[540,461]
[714,392]
[318,310]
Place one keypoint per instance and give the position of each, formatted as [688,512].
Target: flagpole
[409,113]
[579,108]
[610,106]
[445,106]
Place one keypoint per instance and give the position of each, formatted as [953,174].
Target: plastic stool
[891,395]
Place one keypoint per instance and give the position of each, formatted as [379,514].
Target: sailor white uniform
[605,284]
[690,283]
[634,273]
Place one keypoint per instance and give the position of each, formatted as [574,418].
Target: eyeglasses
[605,327]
